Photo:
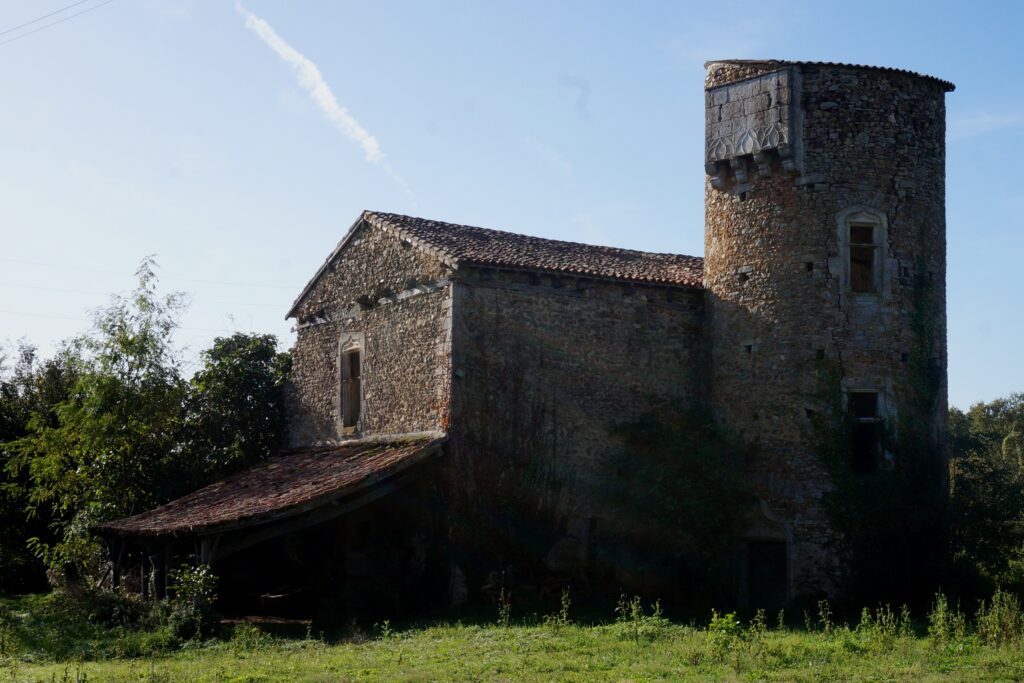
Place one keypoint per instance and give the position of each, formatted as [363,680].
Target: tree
[987,492]
[113,448]
[30,389]
[235,410]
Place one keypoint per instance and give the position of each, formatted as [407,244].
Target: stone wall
[544,368]
[787,335]
[395,300]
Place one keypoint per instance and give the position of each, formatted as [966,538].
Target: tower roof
[772,63]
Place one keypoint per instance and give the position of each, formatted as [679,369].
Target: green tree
[28,388]
[113,449]
[987,493]
[235,409]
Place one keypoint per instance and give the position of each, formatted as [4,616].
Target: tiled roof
[278,488]
[464,244]
[949,87]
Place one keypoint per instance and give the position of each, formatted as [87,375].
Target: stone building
[497,366]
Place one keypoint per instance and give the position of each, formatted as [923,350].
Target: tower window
[865,444]
[863,234]
[863,254]
[351,390]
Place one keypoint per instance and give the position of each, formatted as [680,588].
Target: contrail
[312,81]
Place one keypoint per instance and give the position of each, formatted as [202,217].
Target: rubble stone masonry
[787,332]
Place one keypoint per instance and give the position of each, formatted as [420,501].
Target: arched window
[863,237]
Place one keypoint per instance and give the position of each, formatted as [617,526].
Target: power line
[45,16]
[110,272]
[87,320]
[54,23]
[92,293]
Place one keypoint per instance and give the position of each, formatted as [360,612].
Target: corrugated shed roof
[278,488]
[465,244]
[949,87]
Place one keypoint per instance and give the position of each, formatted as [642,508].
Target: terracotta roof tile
[277,488]
[471,245]
[464,244]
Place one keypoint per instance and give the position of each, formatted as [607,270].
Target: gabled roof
[458,245]
[278,488]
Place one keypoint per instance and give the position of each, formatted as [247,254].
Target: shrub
[192,615]
[724,631]
[1000,621]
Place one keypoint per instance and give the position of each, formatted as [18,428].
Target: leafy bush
[724,631]
[192,615]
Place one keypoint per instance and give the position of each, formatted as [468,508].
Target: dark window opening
[749,348]
[742,277]
[809,266]
[865,446]
[862,258]
[864,404]
[820,354]
[767,574]
[351,394]
[743,196]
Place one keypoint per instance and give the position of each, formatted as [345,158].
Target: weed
[947,626]
[560,618]
[504,606]
[825,617]
[383,628]
[724,632]
[1000,622]
[632,621]
[249,637]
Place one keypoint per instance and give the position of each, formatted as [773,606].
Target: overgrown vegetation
[680,532]
[110,427]
[44,641]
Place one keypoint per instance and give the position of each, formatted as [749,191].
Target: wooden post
[116,556]
[159,560]
[144,558]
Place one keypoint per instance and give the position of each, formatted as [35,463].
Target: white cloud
[312,81]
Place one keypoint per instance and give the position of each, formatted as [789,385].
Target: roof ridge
[519,235]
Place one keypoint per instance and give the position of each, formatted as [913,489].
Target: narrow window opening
[862,258]
[351,394]
[866,436]
[820,354]
[749,348]
[743,196]
[809,266]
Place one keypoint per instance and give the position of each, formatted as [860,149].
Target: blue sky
[168,127]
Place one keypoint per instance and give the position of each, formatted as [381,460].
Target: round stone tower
[825,275]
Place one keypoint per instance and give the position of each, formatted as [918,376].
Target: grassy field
[639,646]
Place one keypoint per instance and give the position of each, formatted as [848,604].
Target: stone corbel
[763,161]
[739,168]
[717,171]
[787,158]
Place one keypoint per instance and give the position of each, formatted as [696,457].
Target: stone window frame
[864,215]
[350,342]
[885,412]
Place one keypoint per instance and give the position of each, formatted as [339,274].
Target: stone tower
[825,275]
